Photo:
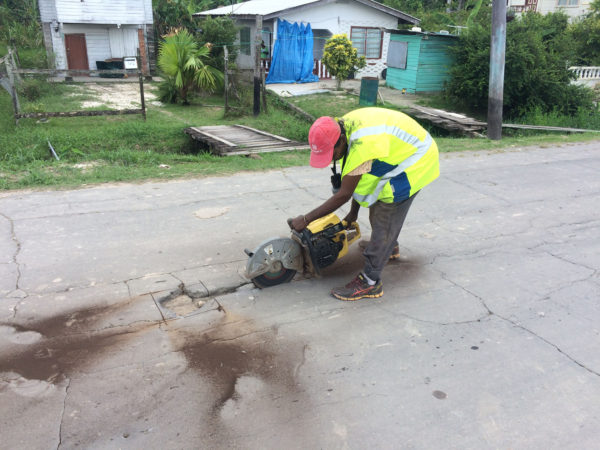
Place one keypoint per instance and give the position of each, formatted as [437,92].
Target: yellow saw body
[319,245]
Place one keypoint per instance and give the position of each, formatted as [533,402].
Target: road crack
[62,416]
[15,262]
[556,347]
[516,324]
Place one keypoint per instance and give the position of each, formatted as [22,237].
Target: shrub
[340,58]
[221,32]
[33,89]
[536,71]
[168,91]
[180,58]
[585,33]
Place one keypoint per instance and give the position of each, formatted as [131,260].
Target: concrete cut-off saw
[320,244]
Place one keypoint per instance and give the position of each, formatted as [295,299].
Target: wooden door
[76,52]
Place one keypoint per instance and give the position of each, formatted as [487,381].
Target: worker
[386,159]
[264,51]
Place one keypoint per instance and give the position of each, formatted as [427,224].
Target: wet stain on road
[239,368]
[64,344]
[440,395]
[236,353]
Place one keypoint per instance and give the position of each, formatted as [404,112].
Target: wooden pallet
[472,127]
[228,140]
[448,120]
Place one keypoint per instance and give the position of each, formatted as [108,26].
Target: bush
[581,118]
[536,71]
[183,61]
[168,91]
[19,23]
[340,58]
[585,33]
[33,58]
[34,89]
[220,32]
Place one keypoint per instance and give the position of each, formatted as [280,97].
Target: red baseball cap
[322,136]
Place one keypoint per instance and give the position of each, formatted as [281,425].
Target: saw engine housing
[324,241]
[318,246]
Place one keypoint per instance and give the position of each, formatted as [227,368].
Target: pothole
[182,304]
[185,301]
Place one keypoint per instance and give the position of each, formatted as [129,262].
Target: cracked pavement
[126,322]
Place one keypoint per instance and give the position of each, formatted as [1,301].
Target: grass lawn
[127,148]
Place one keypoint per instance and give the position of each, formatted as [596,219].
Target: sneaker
[358,288]
[395,252]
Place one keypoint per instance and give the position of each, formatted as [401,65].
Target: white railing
[320,70]
[586,73]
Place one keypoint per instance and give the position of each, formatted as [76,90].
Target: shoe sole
[351,299]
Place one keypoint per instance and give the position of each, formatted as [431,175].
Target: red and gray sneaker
[358,288]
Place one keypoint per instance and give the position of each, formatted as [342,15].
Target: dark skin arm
[338,199]
[353,214]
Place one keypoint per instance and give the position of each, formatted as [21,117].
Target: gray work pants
[386,223]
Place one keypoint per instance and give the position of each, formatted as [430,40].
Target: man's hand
[349,183]
[298,223]
[351,217]
[353,214]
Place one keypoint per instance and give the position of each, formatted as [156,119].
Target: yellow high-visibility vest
[405,156]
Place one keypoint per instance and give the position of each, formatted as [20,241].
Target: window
[568,2]
[397,54]
[367,41]
[245,47]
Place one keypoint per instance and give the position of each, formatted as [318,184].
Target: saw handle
[350,226]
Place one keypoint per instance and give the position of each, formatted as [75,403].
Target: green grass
[326,104]
[28,58]
[126,148]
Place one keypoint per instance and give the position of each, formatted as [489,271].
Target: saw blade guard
[273,260]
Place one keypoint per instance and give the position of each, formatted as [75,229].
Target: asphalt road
[125,321]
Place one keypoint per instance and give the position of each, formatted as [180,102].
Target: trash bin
[368,91]
[110,64]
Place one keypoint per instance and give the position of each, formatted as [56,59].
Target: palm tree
[183,62]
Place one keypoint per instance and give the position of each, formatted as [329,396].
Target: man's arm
[353,214]
[349,183]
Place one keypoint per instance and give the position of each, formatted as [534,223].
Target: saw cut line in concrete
[185,301]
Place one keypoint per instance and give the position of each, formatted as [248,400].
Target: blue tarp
[292,54]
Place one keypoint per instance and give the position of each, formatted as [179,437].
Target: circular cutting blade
[275,261]
[269,279]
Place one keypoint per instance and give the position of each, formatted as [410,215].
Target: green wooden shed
[418,61]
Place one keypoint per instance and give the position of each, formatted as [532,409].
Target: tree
[341,58]
[536,73]
[586,36]
[182,61]
[221,32]
[19,23]
[175,14]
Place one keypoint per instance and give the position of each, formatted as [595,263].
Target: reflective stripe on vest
[421,149]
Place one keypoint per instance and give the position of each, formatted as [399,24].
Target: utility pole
[257,76]
[226,74]
[497,56]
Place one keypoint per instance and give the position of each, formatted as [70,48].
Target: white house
[363,21]
[78,33]
[572,8]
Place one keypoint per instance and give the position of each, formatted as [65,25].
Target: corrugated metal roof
[422,33]
[270,8]
[256,7]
